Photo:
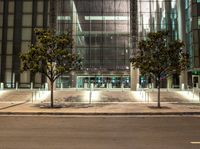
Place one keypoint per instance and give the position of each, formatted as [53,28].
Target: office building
[105,33]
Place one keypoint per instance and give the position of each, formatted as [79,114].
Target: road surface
[90,132]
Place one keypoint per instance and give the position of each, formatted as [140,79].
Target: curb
[103,114]
[13,105]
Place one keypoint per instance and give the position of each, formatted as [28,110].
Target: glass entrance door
[103,81]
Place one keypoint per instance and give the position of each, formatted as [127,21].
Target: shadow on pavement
[71,105]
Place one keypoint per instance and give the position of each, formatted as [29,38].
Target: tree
[158,58]
[52,55]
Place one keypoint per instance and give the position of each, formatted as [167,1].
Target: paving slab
[102,102]
[104,109]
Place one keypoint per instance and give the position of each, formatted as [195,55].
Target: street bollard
[122,87]
[199,96]
[16,86]
[46,86]
[32,97]
[90,100]
[61,86]
[31,85]
[2,86]
[147,96]
[193,93]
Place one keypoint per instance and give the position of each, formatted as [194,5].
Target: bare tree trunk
[52,83]
[159,93]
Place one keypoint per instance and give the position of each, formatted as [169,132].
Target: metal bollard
[16,85]
[147,96]
[2,86]
[90,100]
[32,97]
[193,93]
[31,85]
[61,86]
[199,96]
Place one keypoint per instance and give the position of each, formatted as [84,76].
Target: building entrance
[103,81]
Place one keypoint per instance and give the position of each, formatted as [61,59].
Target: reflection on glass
[101,30]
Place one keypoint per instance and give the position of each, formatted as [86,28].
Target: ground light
[39,96]
[195,142]
[141,96]
[91,96]
[189,95]
[2,92]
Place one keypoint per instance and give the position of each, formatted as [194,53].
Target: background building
[105,33]
[18,18]
[192,39]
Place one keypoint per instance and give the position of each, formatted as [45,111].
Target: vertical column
[4,41]
[182,33]
[45,25]
[134,73]
[52,17]
[134,79]
[17,37]
[33,38]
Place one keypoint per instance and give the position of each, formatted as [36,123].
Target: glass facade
[192,11]
[105,33]
[192,15]
[101,29]
[101,32]
[157,15]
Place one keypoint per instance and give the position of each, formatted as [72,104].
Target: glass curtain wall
[101,31]
[156,15]
[192,15]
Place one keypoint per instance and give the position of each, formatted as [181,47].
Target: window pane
[26,33]
[25,77]
[40,6]
[11,7]
[8,62]
[37,78]
[0,48]
[39,20]
[10,20]
[27,20]
[27,6]
[9,48]
[0,34]
[198,22]
[10,34]
[1,20]
[1,6]
[8,76]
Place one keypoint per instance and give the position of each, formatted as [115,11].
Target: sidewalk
[127,108]
[72,102]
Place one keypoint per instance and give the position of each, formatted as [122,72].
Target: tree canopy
[158,57]
[52,55]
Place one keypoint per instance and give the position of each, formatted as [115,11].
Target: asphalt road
[54,132]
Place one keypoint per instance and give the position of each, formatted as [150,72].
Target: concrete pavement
[102,102]
[101,109]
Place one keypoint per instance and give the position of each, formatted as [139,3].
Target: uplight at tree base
[91,96]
